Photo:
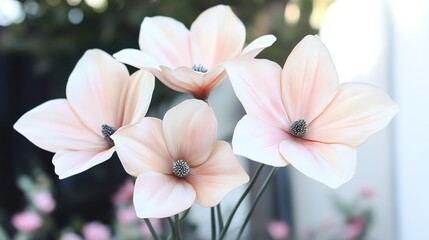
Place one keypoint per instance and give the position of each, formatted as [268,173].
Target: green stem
[176,235]
[252,182]
[151,229]
[213,221]
[219,217]
[171,223]
[258,196]
[185,213]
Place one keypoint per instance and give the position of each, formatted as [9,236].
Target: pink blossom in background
[302,116]
[27,221]
[126,215]
[96,231]
[278,230]
[366,192]
[178,161]
[124,194]
[354,229]
[44,201]
[70,236]
[101,97]
[192,61]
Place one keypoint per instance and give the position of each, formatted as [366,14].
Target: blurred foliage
[45,46]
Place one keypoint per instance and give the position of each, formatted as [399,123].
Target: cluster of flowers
[299,114]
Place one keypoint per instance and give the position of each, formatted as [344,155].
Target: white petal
[259,141]
[331,164]
[357,111]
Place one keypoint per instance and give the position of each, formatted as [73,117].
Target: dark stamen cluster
[298,128]
[107,131]
[199,68]
[181,168]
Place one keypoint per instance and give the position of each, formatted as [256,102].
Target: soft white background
[385,43]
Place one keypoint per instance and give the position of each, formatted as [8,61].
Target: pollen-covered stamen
[298,128]
[107,131]
[181,168]
[199,68]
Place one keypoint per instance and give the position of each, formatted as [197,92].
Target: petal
[257,85]
[94,90]
[141,147]
[259,141]
[157,195]
[357,111]
[68,163]
[166,40]
[331,164]
[257,45]
[309,80]
[53,126]
[190,131]
[217,35]
[136,96]
[136,58]
[217,177]
[184,79]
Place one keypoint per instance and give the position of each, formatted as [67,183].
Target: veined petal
[70,162]
[217,177]
[190,132]
[357,111]
[94,90]
[256,83]
[141,147]
[53,126]
[166,40]
[217,35]
[309,80]
[257,45]
[136,58]
[157,195]
[331,164]
[259,141]
[136,96]
[184,79]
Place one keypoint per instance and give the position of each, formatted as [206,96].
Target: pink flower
[43,201]
[354,229]
[101,97]
[302,116]
[178,161]
[191,61]
[126,215]
[27,221]
[95,231]
[124,193]
[366,192]
[278,230]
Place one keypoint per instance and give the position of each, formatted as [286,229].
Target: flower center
[180,168]
[298,128]
[199,68]
[107,131]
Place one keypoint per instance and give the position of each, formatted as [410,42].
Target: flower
[101,97]
[278,230]
[43,201]
[96,231]
[191,61]
[27,221]
[302,116]
[354,228]
[178,161]
[70,236]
